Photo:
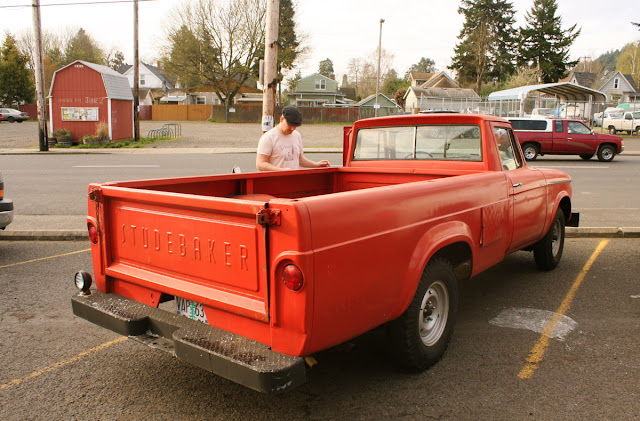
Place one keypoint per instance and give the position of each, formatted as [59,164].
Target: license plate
[191,309]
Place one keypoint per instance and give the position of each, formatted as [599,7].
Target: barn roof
[564,90]
[116,85]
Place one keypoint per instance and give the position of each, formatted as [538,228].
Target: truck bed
[289,185]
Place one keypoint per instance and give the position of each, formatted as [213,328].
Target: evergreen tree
[425,65]
[326,68]
[609,59]
[487,45]
[545,45]
[83,47]
[16,80]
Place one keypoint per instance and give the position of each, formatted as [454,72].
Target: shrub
[61,132]
[102,131]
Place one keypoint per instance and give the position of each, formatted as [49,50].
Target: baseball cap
[293,115]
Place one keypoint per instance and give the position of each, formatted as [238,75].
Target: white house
[153,83]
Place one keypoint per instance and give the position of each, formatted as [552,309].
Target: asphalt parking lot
[560,345]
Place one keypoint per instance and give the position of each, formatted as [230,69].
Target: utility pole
[136,75]
[376,106]
[40,99]
[270,82]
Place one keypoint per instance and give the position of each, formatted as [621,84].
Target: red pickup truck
[246,274]
[564,137]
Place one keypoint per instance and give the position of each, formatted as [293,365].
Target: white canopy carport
[564,90]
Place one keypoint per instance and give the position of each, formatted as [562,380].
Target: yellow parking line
[537,352]
[44,258]
[59,364]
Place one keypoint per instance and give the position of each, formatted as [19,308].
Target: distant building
[315,91]
[153,82]
[437,91]
[616,85]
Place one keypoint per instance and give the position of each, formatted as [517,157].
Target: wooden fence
[252,113]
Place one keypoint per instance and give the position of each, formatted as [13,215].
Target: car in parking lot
[11,115]
[6,207]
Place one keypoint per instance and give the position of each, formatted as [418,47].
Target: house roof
[585,78]
[373,96]
[564,90]
[442,92]
[153,69]
[115,84]
[440,80]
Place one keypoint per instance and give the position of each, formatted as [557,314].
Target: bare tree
[225,40]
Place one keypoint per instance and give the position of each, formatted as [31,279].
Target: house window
[201,100]
[616,83]
[141,79]
[321,84]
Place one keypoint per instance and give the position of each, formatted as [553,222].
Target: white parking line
[115,166]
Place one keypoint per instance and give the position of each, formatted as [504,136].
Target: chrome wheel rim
[529,153]
[606,154]
[434,312]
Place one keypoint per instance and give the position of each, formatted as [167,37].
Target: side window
[507,148]
[558,126]
[577,128]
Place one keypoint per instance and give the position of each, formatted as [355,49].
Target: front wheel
[586,156]
[422,333]
[612,130]
[530,152]
[11,119]
[606,153]
[548,251]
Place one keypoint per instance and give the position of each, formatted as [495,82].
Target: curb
[75,235]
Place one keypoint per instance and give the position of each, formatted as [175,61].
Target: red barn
[84,94]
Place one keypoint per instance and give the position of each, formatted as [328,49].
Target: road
[54,186]
[57,366]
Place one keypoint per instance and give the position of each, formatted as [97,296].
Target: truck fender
[432,241]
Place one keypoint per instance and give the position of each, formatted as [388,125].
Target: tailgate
[205,249]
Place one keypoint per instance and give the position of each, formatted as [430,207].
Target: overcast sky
[335,29]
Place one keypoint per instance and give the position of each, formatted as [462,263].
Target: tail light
[93,234]
[292,277]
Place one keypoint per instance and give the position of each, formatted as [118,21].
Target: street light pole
[377,104]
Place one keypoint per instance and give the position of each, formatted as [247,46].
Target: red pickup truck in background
[564,137]
[246,274]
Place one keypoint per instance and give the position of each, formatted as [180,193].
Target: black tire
[530,151]
[18,121]
[612,130]
[421,335]
[548,251]
[637,132]
[11,119]
[606,153]
[586,156]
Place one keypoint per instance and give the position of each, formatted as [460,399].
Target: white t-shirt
[283,150]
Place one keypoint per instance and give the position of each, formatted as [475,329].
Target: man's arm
[263,164]
[307,163]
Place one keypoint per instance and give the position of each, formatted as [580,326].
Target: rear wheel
[421,335]
[530,151]
[606,153]
[548,251]
[586,156]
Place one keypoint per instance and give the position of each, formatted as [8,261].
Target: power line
[75,4]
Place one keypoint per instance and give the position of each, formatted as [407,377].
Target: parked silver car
[11,115]
[6,207]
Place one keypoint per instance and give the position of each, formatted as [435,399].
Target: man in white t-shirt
[281,147]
